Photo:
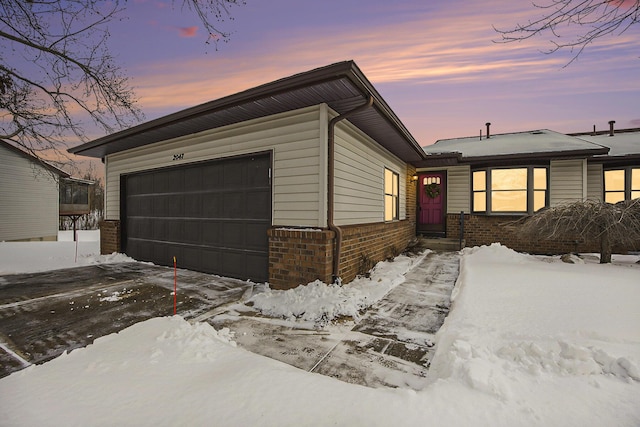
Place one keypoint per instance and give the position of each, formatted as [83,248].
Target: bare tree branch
[57,76]
[575,24]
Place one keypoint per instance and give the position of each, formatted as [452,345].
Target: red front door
[431,202]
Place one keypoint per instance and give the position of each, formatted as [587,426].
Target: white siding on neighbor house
[359,177]
[458,187]
[28,199]
[594,181]
[293,137]
[568,181]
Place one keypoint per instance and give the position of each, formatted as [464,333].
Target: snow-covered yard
[529,341]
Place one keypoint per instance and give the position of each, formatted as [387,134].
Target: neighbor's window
[621,184]
[391,191]
[509,190]
[72,193]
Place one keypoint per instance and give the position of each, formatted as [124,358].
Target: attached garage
[283,183]
[213,216]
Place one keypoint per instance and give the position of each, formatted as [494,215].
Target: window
[509,190]
[621,184]
[391,191]
[72,193]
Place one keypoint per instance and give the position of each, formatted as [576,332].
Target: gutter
[331,185]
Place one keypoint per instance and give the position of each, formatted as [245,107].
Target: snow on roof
[531,142]
[620,144]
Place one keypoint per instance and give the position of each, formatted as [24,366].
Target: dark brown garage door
[213,217]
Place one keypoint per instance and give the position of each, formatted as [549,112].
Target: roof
[34,159]
[342,86]
[624,143]
[536,144]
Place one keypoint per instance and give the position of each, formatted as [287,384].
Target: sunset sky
[436,63]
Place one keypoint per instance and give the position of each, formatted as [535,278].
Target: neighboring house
[28,196]
[308,177]
[487,183]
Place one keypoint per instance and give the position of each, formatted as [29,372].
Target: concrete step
[440,243]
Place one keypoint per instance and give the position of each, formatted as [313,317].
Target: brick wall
[299,256]
[366,244]
[109,237]
[485,229]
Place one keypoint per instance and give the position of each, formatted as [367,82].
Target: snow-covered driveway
[389,345]
[45,314]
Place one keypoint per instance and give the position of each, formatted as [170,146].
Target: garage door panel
[173,230]
[232,235]
[259,263]
[210,233]
[193,232]
[175,181]
[233,205]
[212,205]
[212,176]
[258,173]
[233,174]
[191,258]
[258,203]
[256,236]
[193,205]
[211,260]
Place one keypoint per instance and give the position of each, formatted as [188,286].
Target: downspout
[331,184]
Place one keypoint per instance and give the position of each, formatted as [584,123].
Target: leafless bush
[609,224]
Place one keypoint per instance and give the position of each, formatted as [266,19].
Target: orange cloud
[187,31]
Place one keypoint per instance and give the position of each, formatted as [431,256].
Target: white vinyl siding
[458,189]
[28,199]
[594,181]
[293,137]
[568,181]
[359,177]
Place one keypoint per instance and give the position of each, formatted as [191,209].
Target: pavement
[391,345]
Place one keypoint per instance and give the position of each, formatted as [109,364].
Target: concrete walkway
[390,346]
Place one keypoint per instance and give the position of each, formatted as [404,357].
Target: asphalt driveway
[44,314]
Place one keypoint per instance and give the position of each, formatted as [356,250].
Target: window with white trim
[391,195]
[510,190]
[621,184]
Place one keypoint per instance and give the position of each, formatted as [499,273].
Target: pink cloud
[623,3]
[187,31]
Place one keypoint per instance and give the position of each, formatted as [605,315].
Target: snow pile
[539,323]
[32,257]
[320,303]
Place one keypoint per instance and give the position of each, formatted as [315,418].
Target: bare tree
[584,20]
[57,76]
[612,225]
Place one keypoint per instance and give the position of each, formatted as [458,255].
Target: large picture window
[621,184]
[391,192]
[509,190]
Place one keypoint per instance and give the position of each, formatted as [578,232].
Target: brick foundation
[485,229]
[299,257]
[364,245]
[110,237]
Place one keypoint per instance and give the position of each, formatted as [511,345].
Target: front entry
[431,203]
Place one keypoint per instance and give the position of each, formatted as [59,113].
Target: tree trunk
[605,248]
